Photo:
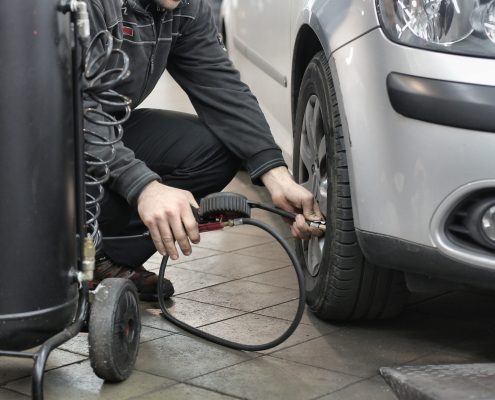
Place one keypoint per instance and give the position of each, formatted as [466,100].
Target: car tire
[340,283]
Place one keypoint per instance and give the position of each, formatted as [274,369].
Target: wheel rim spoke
[313,174]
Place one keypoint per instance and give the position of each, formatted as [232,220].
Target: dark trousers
[186,155]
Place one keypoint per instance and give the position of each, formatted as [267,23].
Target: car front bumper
[404,163]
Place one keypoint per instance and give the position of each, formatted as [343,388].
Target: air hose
[214,208]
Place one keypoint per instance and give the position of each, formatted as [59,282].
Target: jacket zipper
[151,64]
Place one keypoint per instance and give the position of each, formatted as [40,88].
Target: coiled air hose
[99,84]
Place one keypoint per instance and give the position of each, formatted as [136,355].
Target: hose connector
[321,225]
[88,263]
[82,16]
[82,19]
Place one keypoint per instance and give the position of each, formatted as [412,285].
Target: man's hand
[166,212]
[289,196]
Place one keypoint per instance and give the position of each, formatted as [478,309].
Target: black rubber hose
[275,210]
[228,343]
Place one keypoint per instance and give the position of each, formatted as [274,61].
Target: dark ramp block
[442,382]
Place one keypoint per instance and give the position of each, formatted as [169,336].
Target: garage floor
[238,284]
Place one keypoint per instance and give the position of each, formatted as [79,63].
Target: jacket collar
[136,5]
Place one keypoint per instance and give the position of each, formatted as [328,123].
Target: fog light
[480,221]
[488,223]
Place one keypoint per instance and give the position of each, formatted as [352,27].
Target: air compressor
[49,220]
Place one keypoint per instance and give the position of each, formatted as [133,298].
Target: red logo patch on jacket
[127,31]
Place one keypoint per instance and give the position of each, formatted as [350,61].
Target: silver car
[385,109]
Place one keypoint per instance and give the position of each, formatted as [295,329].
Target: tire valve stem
[88,263]
[321,225]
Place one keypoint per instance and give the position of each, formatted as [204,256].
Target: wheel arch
[306,45]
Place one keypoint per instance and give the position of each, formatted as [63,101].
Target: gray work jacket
[186,43]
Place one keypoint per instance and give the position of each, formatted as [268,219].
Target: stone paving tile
[185,280]
[269,251]
[197,253]
[232,266]
[14,368]
[79,344]
[78,381]
[243,295]
[9,395]
[197,314]
[467,306]
[270,378]
[230,241]
[258,329]
[150,317]
[375,388]
[148,334]
[183,391]
[352,353]
[288,310]
[284,277]
[183,357]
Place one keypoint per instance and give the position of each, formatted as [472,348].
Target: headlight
[453,26]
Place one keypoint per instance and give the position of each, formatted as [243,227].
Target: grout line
[140,396]
[16,392]
[314,366]
[237,278]
[346,386]
[206,287]
[184,262]
[45,371]
[242,248]
[213,390]
[297,344]
[256,356]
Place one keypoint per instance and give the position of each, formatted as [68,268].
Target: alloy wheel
[313,175]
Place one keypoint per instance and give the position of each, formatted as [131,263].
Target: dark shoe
[146,282]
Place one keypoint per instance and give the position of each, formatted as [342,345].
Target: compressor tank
[37,201]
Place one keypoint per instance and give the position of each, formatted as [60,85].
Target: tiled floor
[238,284]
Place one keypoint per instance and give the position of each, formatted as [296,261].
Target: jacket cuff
[263,162]
[132,182]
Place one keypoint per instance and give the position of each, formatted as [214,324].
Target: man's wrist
[276,178]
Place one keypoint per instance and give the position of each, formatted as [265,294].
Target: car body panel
[245,47]
[401,169]
[335,22]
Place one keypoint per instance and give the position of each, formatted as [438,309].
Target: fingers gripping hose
[99,87]
[228,343]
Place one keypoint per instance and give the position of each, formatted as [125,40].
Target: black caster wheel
[114,329]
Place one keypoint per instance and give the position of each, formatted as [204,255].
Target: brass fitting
[88,262]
